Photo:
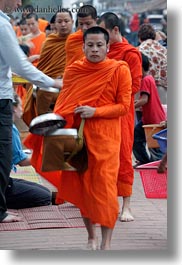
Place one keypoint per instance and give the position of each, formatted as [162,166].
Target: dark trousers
[139,147]
[5,151]
[25,194]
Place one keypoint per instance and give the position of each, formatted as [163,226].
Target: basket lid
[152,126]
[46,123]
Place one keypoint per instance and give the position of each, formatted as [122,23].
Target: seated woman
[22,193]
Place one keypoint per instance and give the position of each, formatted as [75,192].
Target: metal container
[48,89]
[59,147]
[46,123]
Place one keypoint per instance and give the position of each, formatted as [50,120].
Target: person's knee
[43,198]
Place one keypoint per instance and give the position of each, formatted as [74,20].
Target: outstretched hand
[58,83]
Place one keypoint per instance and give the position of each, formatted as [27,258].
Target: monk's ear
[83,47]
[108,48]
[116,29]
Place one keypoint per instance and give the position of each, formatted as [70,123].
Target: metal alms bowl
[48,89]
[46,123]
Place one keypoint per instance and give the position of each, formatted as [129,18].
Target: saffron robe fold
[107,87]
[53,56]
[74,47]
[43,24]
[37,42]
[125,51]
[34,142]
[51,62]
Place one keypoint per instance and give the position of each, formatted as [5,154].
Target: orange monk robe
[42,24]
[74,47]
[18,31]
[52,63]
[37,42]
[53,56]
[107,87]
[34,142]
[22,93]
[95,191]
[125,51]
[52,51]
[15,28]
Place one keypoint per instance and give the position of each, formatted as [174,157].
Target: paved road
[147,232]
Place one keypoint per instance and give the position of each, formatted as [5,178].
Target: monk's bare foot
[126,215]
[161,169]
[163,165]
[92,244]
[11,218]
[105,247]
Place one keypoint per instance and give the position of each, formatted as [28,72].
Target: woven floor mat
[52,216]
[154,184]
[27,173]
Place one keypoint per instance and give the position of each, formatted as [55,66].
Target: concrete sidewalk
[147,232]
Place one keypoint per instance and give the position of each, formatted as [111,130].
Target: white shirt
[12,58]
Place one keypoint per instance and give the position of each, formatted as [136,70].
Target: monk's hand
[85,111]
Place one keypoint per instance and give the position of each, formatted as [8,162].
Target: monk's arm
[123,96]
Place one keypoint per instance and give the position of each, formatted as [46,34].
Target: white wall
[67,3]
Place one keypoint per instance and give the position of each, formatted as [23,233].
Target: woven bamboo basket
[151,129]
